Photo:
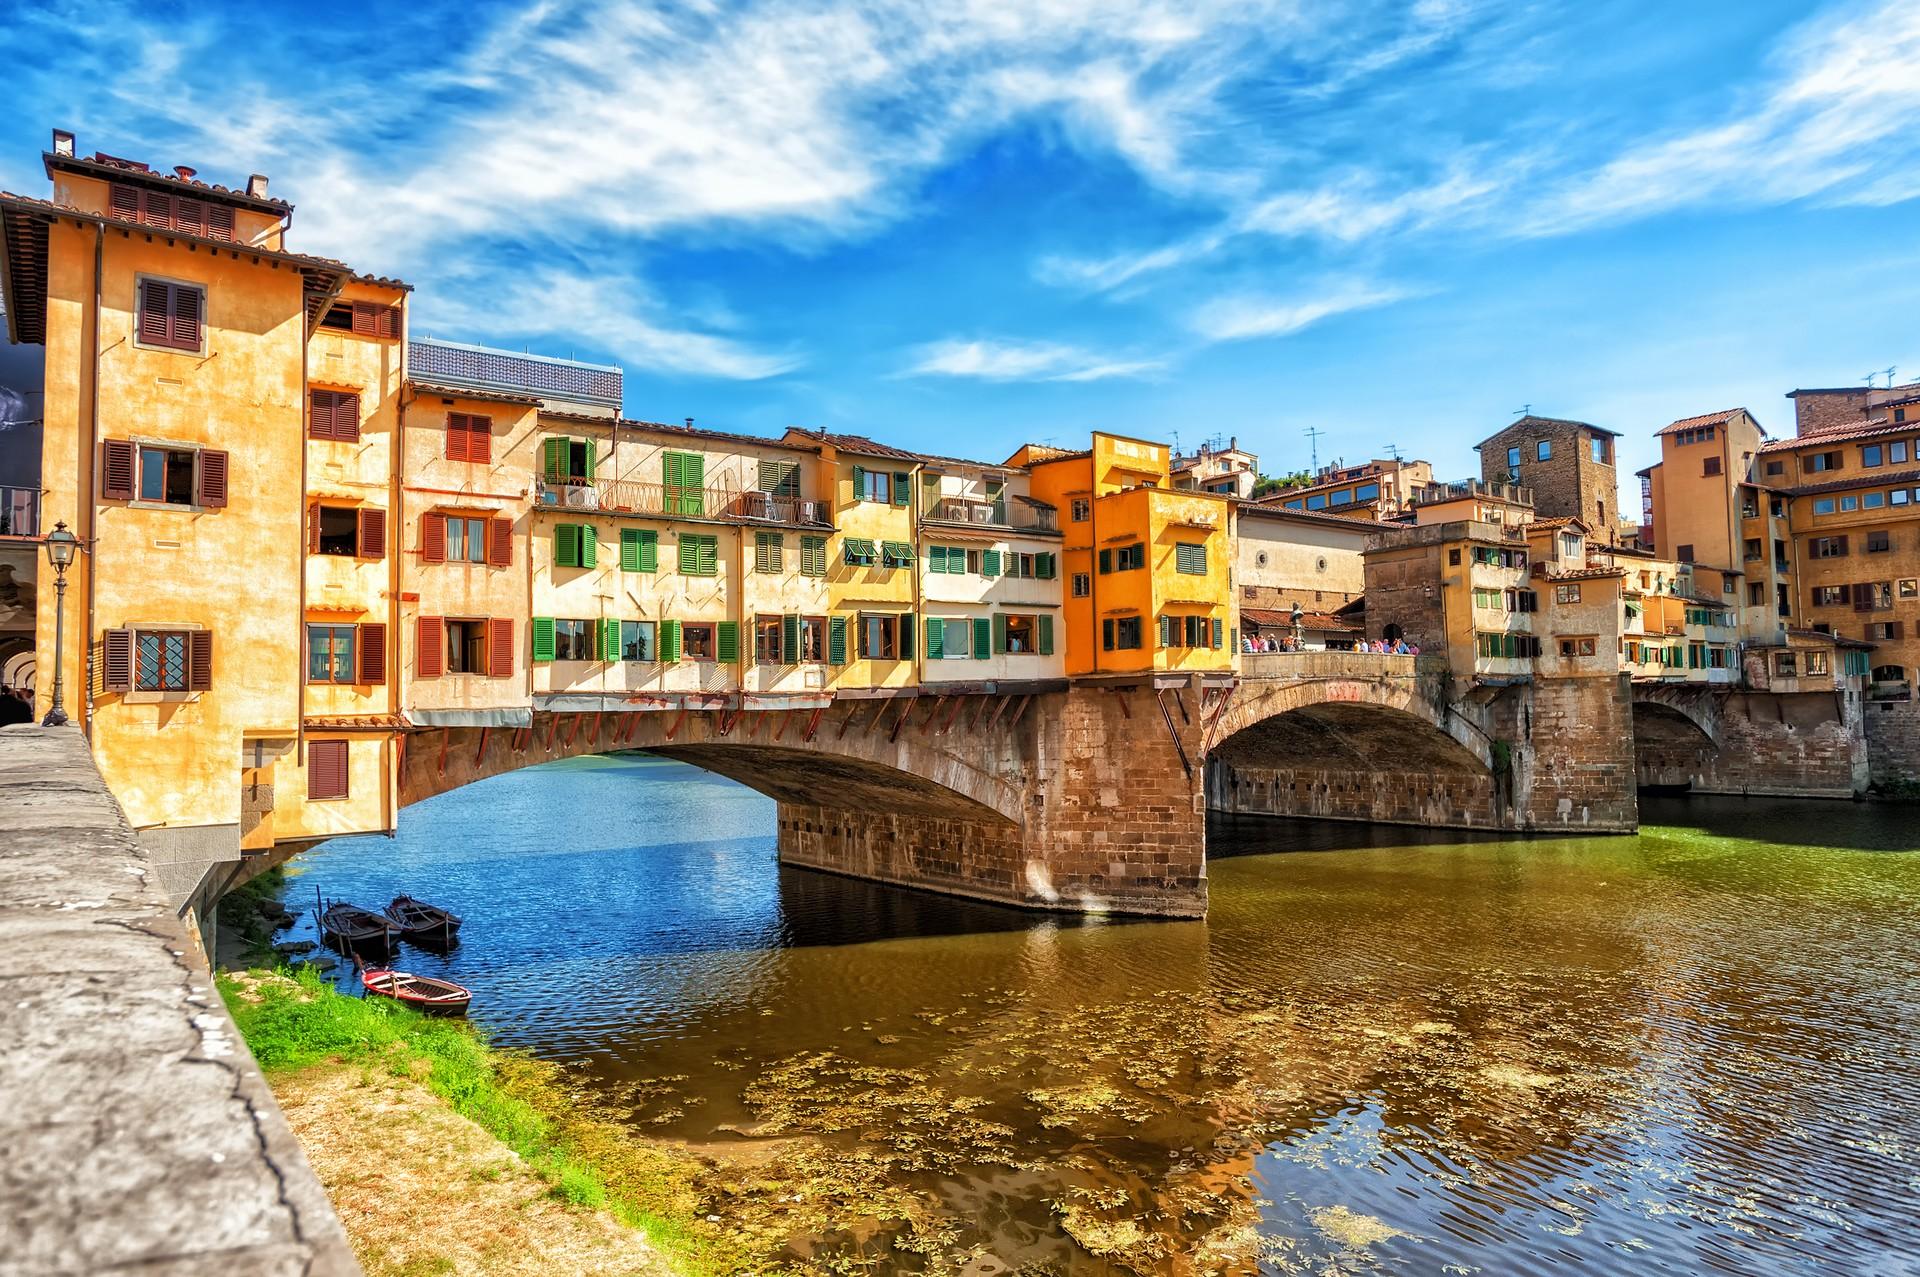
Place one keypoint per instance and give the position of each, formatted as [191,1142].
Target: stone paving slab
[136,1133]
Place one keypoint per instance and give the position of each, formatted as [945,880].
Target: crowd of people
[1253,643]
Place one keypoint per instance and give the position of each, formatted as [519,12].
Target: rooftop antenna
[1393,450]
[1524,410]
[1313,434]
[1882,372]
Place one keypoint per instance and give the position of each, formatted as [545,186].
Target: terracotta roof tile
[1864,430]
[104,165]
[463,392]
[237,247]
[859,445]
[1864,480]
[1325,621]
[1705,419]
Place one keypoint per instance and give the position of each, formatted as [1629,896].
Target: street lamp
[61,547]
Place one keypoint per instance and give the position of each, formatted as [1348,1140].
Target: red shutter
[479,438]
[365,322]
[346,416]
[156,209]
[118,661]
[389,321]
[126,202]
[430,647]
[116,469]
[319,414]
[372,652]
[190,215]
[500,542]
[155,297]
[220,222]
[326,769]
[373,533]
[213,478]
[200,661]
[313,529]
[433,538]
[500,647]
[183,329]
[457,436]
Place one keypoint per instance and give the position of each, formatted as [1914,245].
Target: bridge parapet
[1306,665]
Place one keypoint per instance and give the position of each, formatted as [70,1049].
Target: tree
[1267,485]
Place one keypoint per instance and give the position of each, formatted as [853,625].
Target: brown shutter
[213,478]
[220,222]
[373,533]
[364,323]
[389,321]
[326,769]
[156,209]
[126,202]
[184,328]
[154,300]
[479,438]
[313,529]
[500,647]
[190,215]
[118,661]
[500,542]
[430,647]
[319,414]
[456,436]
[346,416]
[116,469]
[433,538]
[371,649]
[200,661]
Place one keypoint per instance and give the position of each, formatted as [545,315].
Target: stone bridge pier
[1731,740]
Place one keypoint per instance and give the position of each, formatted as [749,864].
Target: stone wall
[1818,410]
[1795,744]
[1445,800]
[1893,743]
[1570,753]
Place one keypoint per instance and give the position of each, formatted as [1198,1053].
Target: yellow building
[183,348]
[1148,570]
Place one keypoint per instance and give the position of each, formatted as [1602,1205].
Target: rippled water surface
[1692,1050]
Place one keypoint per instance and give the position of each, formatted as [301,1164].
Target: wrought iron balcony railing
[627,496]
[1014,515]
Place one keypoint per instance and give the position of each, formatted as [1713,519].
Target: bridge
[1091,795]
[1731,739]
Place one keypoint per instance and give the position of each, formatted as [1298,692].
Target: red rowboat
[421,992]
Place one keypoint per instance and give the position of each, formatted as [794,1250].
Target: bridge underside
[1712,741]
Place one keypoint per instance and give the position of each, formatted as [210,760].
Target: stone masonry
[1893,744]
[1569,483]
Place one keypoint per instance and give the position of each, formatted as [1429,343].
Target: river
[1696,1049]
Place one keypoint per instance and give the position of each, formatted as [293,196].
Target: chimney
[182,172]
[257,186]
[62,142]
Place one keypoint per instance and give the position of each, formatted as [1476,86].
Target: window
[1909,588]
[769,549]
[1898,496]
[336,530]
[1786,665]
[166,475]
[879,636]
[1710,466]
[956,639]
[1124,558]
[1897,450]
[467,645]
[1599,447]
[1570,545]
[1872,500]
[699,556]
[169,315]
[1776,507]
[1190,558]
[166,211]
[1752,549]
[1317,502]
[463,539]
[1453,558]
[1120,633]
[699,642]
[1873,596]
[1871,455]
[859,552]
[1819,663]
[330,657]
[1849,503]
[1879,542]
[469,437]
[896,554]
[1367,492]
[1577,647]
[327,771]
[813,556]
[1776,467]
[572,640]
[566,461]
[813,638]
[769,646]
[1566,594]
[1828,547]
[1080,509]
[1820,462]
[946,559]
[1543,450]
[162,661]
[1485,598]
[1019,634]
[683,478]
[365,319]
[333,414]
[1823,505]
[637,641]
[1899,414]
[466,539]
[577,545]
[1513,458]
[1684,553]
[1082,585]
[1756,595]
[872,485]
[780,479]
[1881,631]
[639,549]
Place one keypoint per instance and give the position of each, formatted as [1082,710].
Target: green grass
[299,1021]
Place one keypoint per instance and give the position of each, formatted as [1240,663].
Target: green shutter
[836,640]
[1219,631]
[901,492]
[689,548]
[990,563]
[1106,562]
[609,634]
[566,545]
[1043,634]
[639,550]
[982,638]
[1190,558]
[906,636]
[669,645]
[726,642]
[542,638]
[936,638]
[859,483]
[936,558]
[1043,566]
[589,543]
[790,638]
[999,633]
[813,556]
[587,445]
[553,459]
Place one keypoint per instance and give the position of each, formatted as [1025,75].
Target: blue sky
[966,224]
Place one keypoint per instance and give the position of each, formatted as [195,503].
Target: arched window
[1393,634]
[1889,674]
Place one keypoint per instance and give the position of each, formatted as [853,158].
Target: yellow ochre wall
[852,590]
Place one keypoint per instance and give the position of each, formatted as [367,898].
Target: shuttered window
[429,647]
[769,549]
[669,642]
[500,647]
[157,661]
[780,478]
[212,466]
[543,638]
[896,554]
[469,437]
[189,214]
[990,563]
[433,538]
[575,545]
[169,314]
[1190,558]
[326,769]
[726,642]
[500,543]
[333,414]
[639,550]
[858,552]
[813,556]
[699,555]
[837,640]
[683,475]
[116,469]
[373,533]
[373,653]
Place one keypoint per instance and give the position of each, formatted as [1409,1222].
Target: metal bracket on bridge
[1166,715]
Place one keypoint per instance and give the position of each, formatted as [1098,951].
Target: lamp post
[61,547]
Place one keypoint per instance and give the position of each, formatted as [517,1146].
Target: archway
[1670,746]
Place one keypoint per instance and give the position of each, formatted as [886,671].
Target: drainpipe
[300,555]
[396,550]
[919,616]
[86,468]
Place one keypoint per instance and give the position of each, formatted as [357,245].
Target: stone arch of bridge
[1675,718]
[874,756]
[1373,724]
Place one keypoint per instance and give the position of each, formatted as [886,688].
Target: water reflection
[1690,1050]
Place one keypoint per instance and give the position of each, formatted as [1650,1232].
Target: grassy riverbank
[530,1178]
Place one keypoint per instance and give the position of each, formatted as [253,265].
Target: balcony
[19,512]
[627,496]
[1012,515]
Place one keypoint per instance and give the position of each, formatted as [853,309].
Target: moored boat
[421,992]
[419,920]
[350,927]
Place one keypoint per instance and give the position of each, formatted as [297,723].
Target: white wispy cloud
[1022,361]
[1245,316]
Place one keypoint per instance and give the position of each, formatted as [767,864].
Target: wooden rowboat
[421,992]
[419,920]
[349,927]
